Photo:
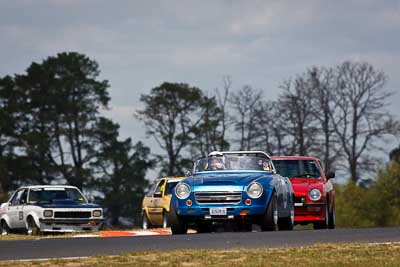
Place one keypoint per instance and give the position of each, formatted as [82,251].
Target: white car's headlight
[314,194]
[48,213]
[182,191]
[97,213]
[254,190]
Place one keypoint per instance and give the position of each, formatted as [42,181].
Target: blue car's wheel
[178,225]
[269,222]
[288,222]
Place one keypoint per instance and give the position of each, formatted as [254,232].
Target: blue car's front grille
[218,197]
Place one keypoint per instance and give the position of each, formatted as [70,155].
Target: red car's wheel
[323,224]
[332,219]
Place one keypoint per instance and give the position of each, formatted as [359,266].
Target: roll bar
[221,153]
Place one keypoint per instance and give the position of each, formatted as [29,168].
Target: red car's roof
[292,158]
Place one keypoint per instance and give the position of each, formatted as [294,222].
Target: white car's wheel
[4,229]
[32,228]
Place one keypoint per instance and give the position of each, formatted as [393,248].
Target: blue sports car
[238,188]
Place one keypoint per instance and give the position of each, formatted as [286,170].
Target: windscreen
[50,195]
[228,163]
[169,187]
[297,168]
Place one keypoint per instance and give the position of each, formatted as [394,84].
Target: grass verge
[370,255]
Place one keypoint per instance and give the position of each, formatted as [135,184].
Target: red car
[314,197]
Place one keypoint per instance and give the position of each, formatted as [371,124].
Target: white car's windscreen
[51,195]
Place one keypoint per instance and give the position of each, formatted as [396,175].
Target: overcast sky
[140,44]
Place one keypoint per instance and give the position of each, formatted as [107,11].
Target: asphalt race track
[82,247]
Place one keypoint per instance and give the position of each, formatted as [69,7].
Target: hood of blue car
[226,178]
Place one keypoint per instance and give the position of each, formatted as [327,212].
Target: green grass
[318,255]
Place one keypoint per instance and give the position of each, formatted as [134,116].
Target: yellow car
[155,205]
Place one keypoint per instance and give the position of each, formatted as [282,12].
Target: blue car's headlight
[254,190]
[182,191]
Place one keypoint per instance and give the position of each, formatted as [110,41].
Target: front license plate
[218,211]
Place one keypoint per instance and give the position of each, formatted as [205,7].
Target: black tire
[323,224]
[32,229]
[332,219]
[165,223]
[4,229]
[286,224]
[145,221]
[178,225]
[269,221]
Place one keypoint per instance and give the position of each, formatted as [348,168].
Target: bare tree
[360,118]
[222,100]
[324,82]
[296,114]
[245,103]
[269,128]
[208,132]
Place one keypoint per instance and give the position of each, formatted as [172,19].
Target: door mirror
[330,175]
[157,194]
[188,173]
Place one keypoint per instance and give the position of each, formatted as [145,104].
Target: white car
[49,208]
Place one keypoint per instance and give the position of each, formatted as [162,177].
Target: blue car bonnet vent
[218,182]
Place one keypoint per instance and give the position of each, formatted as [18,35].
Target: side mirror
[157,194]
[188,173]
[330,175]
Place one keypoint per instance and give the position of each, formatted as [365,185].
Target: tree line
[337,114]
[52,130]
